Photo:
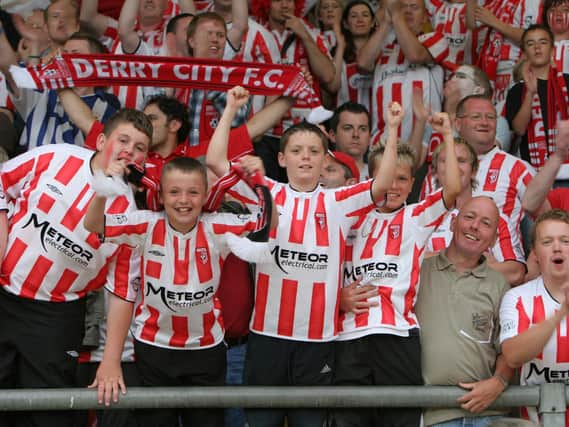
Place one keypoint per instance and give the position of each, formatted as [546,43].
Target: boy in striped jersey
[52,261]
[297,293]
[178,326]
[381,345]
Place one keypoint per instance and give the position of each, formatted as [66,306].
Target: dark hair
[299,128]
[350,51]
[461,105]
[95,46]
[174,110]
[127,115]
[185,165]
[535,27]
[405,154]
[548,4]
[198,19]
[172,25]
[350,107]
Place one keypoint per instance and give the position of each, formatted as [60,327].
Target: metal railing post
[552,404]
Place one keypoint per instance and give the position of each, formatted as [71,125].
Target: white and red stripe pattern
[521,308]
[297,294]
[505,178]
[176,306]
[50,255]
[386,251]
[394,80]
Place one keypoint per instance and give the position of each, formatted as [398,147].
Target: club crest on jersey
[395,231]
[493,175]
[202,255]
[320,219]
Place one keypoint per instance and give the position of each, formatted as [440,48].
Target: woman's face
[359,20]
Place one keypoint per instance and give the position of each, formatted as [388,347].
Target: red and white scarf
[133,70]
[541,135]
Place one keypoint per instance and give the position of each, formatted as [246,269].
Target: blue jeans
[469,422]
[235,417]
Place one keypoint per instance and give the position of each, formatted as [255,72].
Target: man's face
[152,9]
[415,14]
[352,135]
[558,18]
[551,249]
[61,21]
[125,143]
[208,40]
[181,35]
[160,125]
[477,124]
[475,227]
[538,48]
[462,83]
[279,9]
[333,174]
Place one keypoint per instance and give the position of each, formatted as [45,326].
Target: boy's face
[400,188]
[279,9]
[558,18]
[333,174]
[125,143]
[303,159]
[183,195]
[464,165]
[538,47]
[552,248]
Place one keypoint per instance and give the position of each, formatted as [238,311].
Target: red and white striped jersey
[297,295]
[521,308]
[386,250]
[176,305]
[354,86]
[517,13]
[395,78]
[507,247]
[561,55]
[296,55]
[50,255]
[505,178]
[450,20]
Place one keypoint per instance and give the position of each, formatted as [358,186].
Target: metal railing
[550,399]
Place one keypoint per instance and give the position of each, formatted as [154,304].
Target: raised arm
[90,17]
[487,18]
[385,172]
[79,112]
[187,6]
[535,198]
[441,123]
[471,6]
[420,116]
[240,23]
[320,65]
[127,24]
[370,51]
[269,116]
[522,118]
[412,48]
[216,156]
[338,58]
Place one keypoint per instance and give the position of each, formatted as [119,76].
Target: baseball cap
[347,161]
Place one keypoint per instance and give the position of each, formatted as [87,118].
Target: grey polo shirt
[458,314]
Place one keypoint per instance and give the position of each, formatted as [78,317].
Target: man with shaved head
[457,307]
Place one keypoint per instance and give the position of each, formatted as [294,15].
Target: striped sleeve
[436,44]
[123,277]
